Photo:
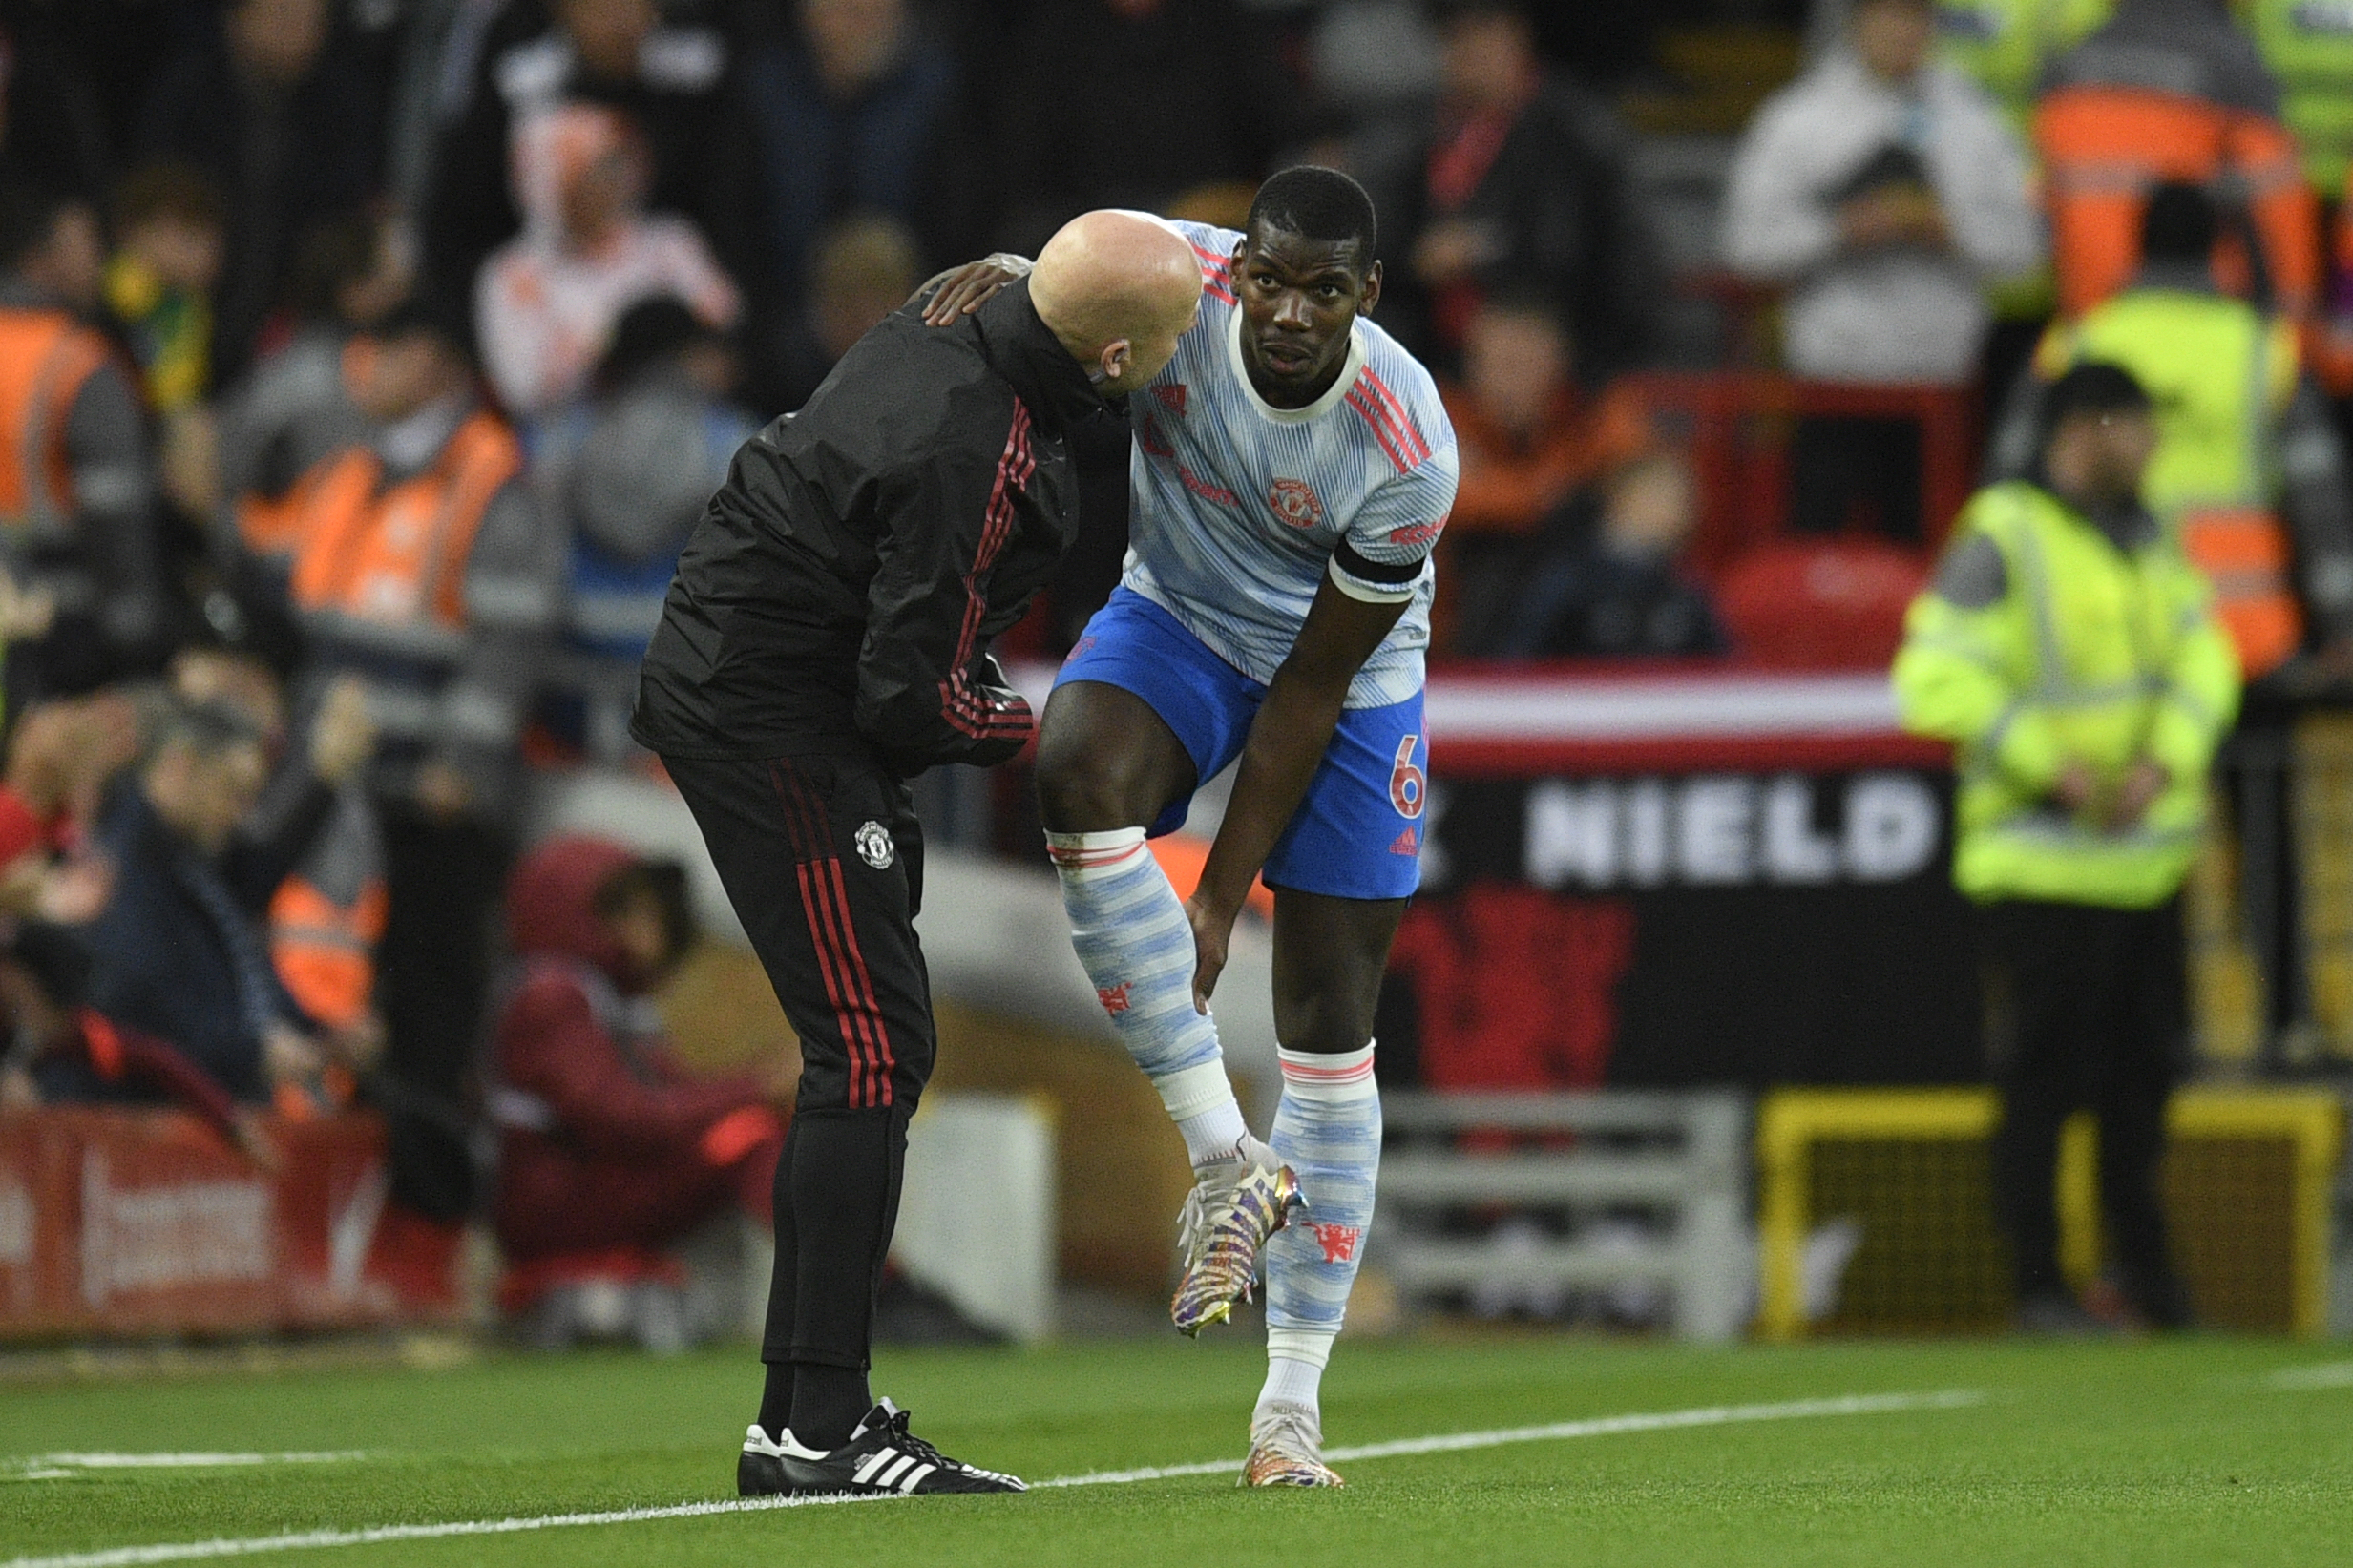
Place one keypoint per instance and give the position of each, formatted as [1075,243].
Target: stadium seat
[1822,604]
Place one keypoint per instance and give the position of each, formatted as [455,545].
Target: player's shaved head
[1118,288]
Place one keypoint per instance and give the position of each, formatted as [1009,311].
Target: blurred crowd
[365,362]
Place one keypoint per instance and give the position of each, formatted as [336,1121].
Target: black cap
[2091,387]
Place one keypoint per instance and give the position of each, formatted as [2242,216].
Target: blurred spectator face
[1490,59]
[170,217]
[1647,510]
[580,171]
[247,685]
[638,924]
[183,253]
[2097,459]
[275,42]
[600,198]
[1892,37]
[865,270]
[202,792]
[853,41]
[71,265]
[397,376]
[608,34]
[1515,362]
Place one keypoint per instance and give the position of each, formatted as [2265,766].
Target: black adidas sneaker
[882,1458]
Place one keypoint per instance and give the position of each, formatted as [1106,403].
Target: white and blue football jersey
[1240,510]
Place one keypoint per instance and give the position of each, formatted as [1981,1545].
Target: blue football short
[1357,833]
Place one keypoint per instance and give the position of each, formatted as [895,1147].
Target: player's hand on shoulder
[962,290]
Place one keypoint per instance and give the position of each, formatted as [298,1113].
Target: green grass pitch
[2197,1451]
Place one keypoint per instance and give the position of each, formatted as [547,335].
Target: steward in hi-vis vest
[421,563]
[2100,652]
[2069,652]
[2168,89]
[76,478]
[2246,453]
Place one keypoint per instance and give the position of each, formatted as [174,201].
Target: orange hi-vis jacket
[2170,89]
[46,357]
[2104,147]
[326,953]
[395,553]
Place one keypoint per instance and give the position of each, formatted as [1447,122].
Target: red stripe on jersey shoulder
[1216,274]
[1383,428]
[1409,437]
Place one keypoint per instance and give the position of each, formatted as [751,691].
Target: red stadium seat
[1819,604]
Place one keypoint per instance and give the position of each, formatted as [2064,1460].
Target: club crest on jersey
[1296,503]
[874,846]
[1171,397]
[1338,1241]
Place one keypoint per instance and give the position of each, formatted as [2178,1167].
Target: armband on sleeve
[1375,582]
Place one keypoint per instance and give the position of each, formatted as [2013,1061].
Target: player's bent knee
[1082,790]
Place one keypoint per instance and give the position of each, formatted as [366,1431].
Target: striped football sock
[1328,1130]
[1137,948]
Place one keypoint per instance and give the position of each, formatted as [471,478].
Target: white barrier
[977,1216]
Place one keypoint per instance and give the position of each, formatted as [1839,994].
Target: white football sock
[1295,1361]
[1130,928]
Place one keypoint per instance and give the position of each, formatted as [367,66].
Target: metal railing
[1677,1160]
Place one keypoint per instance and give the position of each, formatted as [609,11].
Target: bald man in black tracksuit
[826,639]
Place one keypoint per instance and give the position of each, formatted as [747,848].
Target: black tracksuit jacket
[847,581]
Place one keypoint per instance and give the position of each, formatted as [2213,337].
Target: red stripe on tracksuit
[825,900]
[958,703]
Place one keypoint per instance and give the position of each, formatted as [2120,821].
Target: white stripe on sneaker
[914,1478]
[866,1471]
[890,1478]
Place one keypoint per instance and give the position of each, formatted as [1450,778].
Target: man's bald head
[1118,288]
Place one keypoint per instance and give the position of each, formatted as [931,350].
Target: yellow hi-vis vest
[2309,44]
[2093,655]
[2221,374]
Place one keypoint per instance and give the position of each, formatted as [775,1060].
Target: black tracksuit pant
[823,859]
[2100,1003]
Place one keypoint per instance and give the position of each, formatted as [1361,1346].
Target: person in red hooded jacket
[607,1147]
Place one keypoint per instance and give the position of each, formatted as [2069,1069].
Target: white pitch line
[192,1461]
[1713,1415]
[2332,1374]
